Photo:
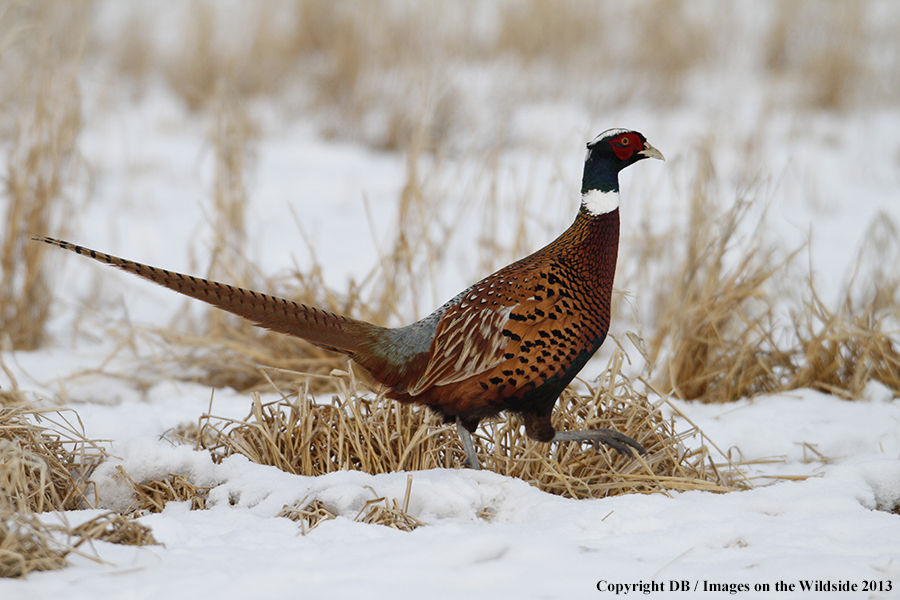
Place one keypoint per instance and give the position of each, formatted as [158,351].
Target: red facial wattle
[625,145]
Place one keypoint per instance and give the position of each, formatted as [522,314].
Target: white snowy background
[824,178]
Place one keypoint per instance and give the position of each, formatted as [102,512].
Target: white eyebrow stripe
[609,133]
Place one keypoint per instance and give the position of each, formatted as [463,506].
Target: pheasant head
[607,154]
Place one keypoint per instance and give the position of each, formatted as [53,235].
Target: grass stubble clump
[45,471]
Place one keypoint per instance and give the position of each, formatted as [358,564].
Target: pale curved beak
[651,152]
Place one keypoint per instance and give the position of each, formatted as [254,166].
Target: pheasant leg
[469,446]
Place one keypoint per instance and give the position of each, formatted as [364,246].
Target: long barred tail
[320,327]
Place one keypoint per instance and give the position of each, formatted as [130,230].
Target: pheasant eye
[624,141]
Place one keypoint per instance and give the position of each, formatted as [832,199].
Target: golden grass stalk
[841,350]
[12,397]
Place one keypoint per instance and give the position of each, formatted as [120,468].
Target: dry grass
[390,61]
[713,332]
[718,338]
[152,496]
[113,528]
[721,329]
[41,164]
[308,514]
[383,72]
[46,469]
[29,544]
[662,40]
[12,397]
[540,30]
[300,436]
[339,54]
[232,137]
[41,45]
[356,432]
[377,511]
[823,53]
[43,469]
[393,514]
[840,352]
[842,349]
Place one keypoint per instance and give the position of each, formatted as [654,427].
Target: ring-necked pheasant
[511,342]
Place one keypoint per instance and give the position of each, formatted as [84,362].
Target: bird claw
[619,442]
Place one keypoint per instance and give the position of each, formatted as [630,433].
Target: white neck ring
[599,203]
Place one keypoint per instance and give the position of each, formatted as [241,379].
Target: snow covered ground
[827,470]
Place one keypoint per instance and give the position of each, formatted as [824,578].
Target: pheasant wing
[467,342]
[522,337]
